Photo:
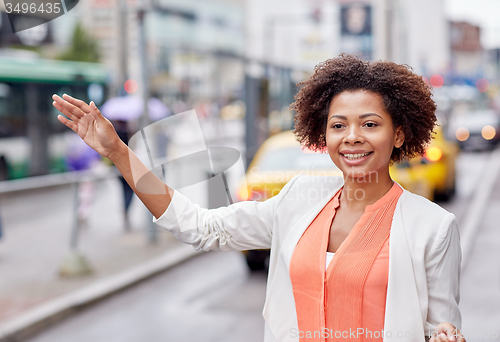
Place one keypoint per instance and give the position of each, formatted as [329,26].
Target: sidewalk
[37,226]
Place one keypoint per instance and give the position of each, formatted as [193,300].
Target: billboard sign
[356,29]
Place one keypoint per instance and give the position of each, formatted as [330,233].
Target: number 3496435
[25,7]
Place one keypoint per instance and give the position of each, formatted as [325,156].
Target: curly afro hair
[407,98]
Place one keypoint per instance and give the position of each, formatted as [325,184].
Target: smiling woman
[366,116]
[395,272]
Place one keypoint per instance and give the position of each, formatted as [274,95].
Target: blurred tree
[83,47]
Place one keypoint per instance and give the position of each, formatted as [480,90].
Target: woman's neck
[358,192]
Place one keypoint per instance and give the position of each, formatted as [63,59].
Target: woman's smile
[355,158]
[350,154]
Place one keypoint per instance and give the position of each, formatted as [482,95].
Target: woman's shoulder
[420,209]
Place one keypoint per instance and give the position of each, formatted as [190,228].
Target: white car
[475,130]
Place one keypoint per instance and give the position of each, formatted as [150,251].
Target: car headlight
[462,133]
[433,153]
[488,132]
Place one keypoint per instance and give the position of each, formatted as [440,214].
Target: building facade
[301,33]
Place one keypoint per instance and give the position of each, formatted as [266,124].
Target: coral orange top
[347,301]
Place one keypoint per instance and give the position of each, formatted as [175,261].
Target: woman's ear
[400,137]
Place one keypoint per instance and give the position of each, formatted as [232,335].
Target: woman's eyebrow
[338,117]
[362,116]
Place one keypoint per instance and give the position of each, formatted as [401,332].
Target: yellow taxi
[281,157]
[433,175]
[278,160]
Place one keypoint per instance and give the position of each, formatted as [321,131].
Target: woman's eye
[337,126]
[371,124]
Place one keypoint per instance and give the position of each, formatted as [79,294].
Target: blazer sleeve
[443,281]
[236,227]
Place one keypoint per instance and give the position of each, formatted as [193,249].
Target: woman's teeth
[356,156]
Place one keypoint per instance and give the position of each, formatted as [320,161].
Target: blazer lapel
[298,229]
[403,320]
[280,293]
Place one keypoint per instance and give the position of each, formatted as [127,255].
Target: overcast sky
[485,13]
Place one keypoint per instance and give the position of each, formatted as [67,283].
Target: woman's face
[360,135]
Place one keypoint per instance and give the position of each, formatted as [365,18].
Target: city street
[215,298]
[226,101]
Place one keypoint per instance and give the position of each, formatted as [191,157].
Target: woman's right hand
[88,122]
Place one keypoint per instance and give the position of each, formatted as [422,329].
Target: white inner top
[329,257]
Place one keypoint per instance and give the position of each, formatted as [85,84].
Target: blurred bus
[31,138]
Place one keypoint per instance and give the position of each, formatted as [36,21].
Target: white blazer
[424,253]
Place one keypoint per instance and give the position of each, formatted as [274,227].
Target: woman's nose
[353,135]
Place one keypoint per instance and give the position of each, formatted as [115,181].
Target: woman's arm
[155,194]
[240,226]
[97,132]
[443,282]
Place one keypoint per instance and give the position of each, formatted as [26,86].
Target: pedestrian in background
[355,254]
[121,128]
[80,157]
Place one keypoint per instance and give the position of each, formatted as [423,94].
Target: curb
[53,311]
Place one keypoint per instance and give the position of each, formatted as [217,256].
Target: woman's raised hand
[87,121]
[97,132]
